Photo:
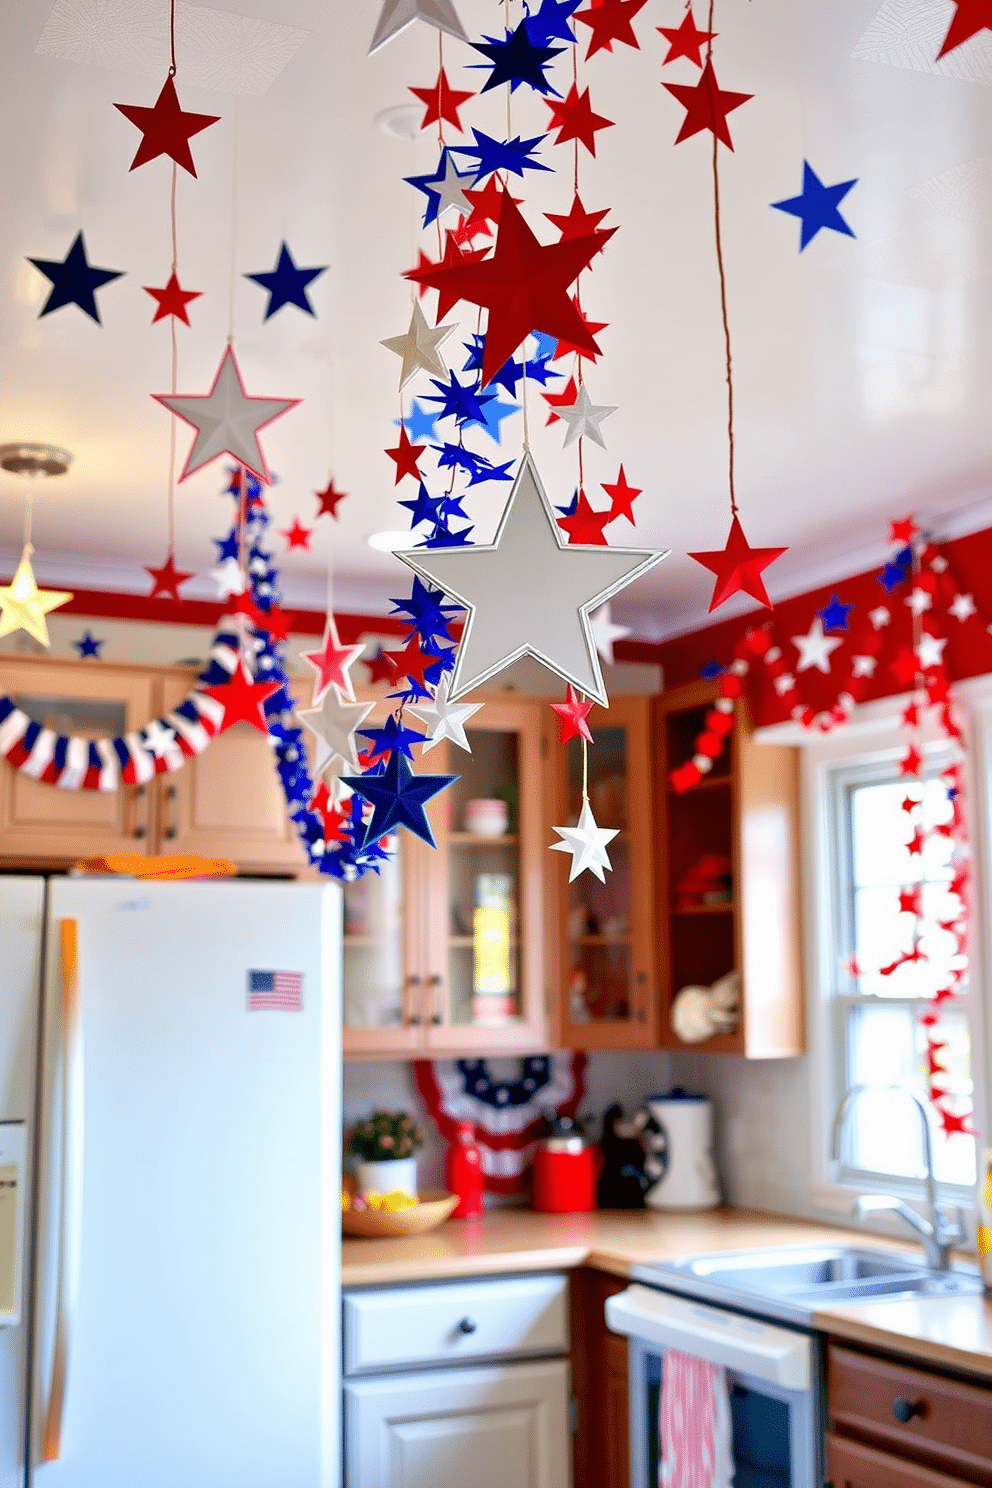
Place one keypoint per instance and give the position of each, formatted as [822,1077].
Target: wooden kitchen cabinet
[600,1443]
[607,934]
[742,821]
[851,1465]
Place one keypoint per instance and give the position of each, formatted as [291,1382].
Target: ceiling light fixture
[34,460]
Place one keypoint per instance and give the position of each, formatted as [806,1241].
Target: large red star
[622,496]
[242,699]
[328,500]
[167,579]
[574,119]
[585,525]
[405,456]
[573,715]
[578,222]
[593,327]
[297,536]
[738,568]
[453,257]
[706,106]
[333,663]
[442,102]
[609,21]
[165,128]
[172,300]
[524,286]
[970,17]
[685,40]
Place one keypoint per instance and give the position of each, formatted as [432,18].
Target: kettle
[678,1135]
[565,1169]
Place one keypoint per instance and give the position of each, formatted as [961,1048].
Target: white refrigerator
[170,1173]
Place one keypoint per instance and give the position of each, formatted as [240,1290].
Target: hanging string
[28,516]
[440,75]
[172,38]
[585,762]
[523,399]
[234,225]
[723,293]
[171,507]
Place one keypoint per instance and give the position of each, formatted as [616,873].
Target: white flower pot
[388,1177]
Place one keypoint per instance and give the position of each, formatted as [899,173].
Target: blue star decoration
[834,615]
[74,281]
[419,422]
[88,645]
[891,577]
[398,798]
[516,59]
[392,737]
[227,547]
[491,155]
[713,669]
[817,206]
[286,284]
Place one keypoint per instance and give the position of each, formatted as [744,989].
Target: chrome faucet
[937,1233]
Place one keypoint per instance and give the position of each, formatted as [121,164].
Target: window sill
[836,1200]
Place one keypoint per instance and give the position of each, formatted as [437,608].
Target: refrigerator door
[193,1188]
[22,916]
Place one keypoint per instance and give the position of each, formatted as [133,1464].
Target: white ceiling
[862,367]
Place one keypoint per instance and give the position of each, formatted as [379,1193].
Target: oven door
[771,1379]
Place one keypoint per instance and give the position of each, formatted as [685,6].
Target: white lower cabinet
[503,1426]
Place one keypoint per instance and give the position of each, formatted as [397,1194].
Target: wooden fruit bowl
[434,1207]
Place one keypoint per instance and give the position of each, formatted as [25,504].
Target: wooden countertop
[955,1332]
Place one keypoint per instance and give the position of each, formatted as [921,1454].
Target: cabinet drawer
[462,1320]
[851,1465]
[951,1422]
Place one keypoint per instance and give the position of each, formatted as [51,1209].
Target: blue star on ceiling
[516,59]
[419,422]
[834,615]
[492,155]
[88,645]
[817,206]
[286,284]
[398,798]
[74,280]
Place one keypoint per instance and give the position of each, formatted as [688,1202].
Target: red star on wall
[172,300]
[970,17]
[405,457]
[242,699]
[166,130]
[574,119]
[609,21]
[297,536]
[442,102]
[622,497]
[573,715]
[685,40]
[585,525]
[579,223]
[328,500]
[738,567]
[706,106]
[166,580]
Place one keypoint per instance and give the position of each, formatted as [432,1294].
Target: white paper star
[864,666]
[814,648]
[396,15]
[880,617]
[587,844]
[419,347]
[919,601]
[529,593]
[158,738]
[583,418]
[445,719]
[784,683]
[227,420]
[450,188]
[604,632]
[229,578]
[930,651]
[962,606]
[333,725]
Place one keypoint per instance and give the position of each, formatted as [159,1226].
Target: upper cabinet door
[45,824]
[608,994]
[382,977]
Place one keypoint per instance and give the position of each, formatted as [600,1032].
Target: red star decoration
[911,762]
[915,844]
[381,666]
[333,663]
[905,667]
[937,686]
[243,604]
[486,202]
[424,262]
[442,102]
[578,223]
[166,130]
[852,967]
[166,580]
[331,816]
[738,567]
[274,621]
[934,1066]
[405,457]
[911,900]
[970,17]
[685,40]
[573,715]
[949,1122]
[609,21]
[585,525]
[564,399]
[911,715]
[297,536]
[706,106]
[622,497]
[453,257]
[574,119]
[567,348]
[329,499]
[903,532]
[524,286]
[412,663]
[909,805]
[242,699]
[172,300]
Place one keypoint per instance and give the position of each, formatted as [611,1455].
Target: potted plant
[384,1144]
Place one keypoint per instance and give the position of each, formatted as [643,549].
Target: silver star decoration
[450,188]
[530,592]
[229,578]
[419,347]
[333,725]
[227,420]
[396,15]
[815,648]
[604,632]
[445,719]
[584,418]
[587,844]
[158,738]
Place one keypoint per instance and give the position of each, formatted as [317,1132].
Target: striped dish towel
[694,1424]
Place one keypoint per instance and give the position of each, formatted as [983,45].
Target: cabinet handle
[437,1017]
[640,1012]
[904,1410]
[412,1019]
[171,831]
[141,830]
[467,1325]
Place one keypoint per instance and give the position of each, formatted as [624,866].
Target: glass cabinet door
[380,984]
[608,970]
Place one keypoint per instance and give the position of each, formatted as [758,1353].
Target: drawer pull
[904,1410]
[467,1325]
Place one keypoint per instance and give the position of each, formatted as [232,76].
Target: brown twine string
[723,292]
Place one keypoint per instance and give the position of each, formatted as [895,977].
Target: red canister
[463,1173]
[565,1171]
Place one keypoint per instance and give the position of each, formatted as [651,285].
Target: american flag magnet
[279,990]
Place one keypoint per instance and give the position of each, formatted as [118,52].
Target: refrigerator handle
[71,1196]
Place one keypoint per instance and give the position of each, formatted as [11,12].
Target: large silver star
[333,725]
[584,418]
[530,593]
[396,15]
[227,420]
[587,844]
[419,347]
[604,632]
[445,719]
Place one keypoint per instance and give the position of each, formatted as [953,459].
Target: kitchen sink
[793,1283]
